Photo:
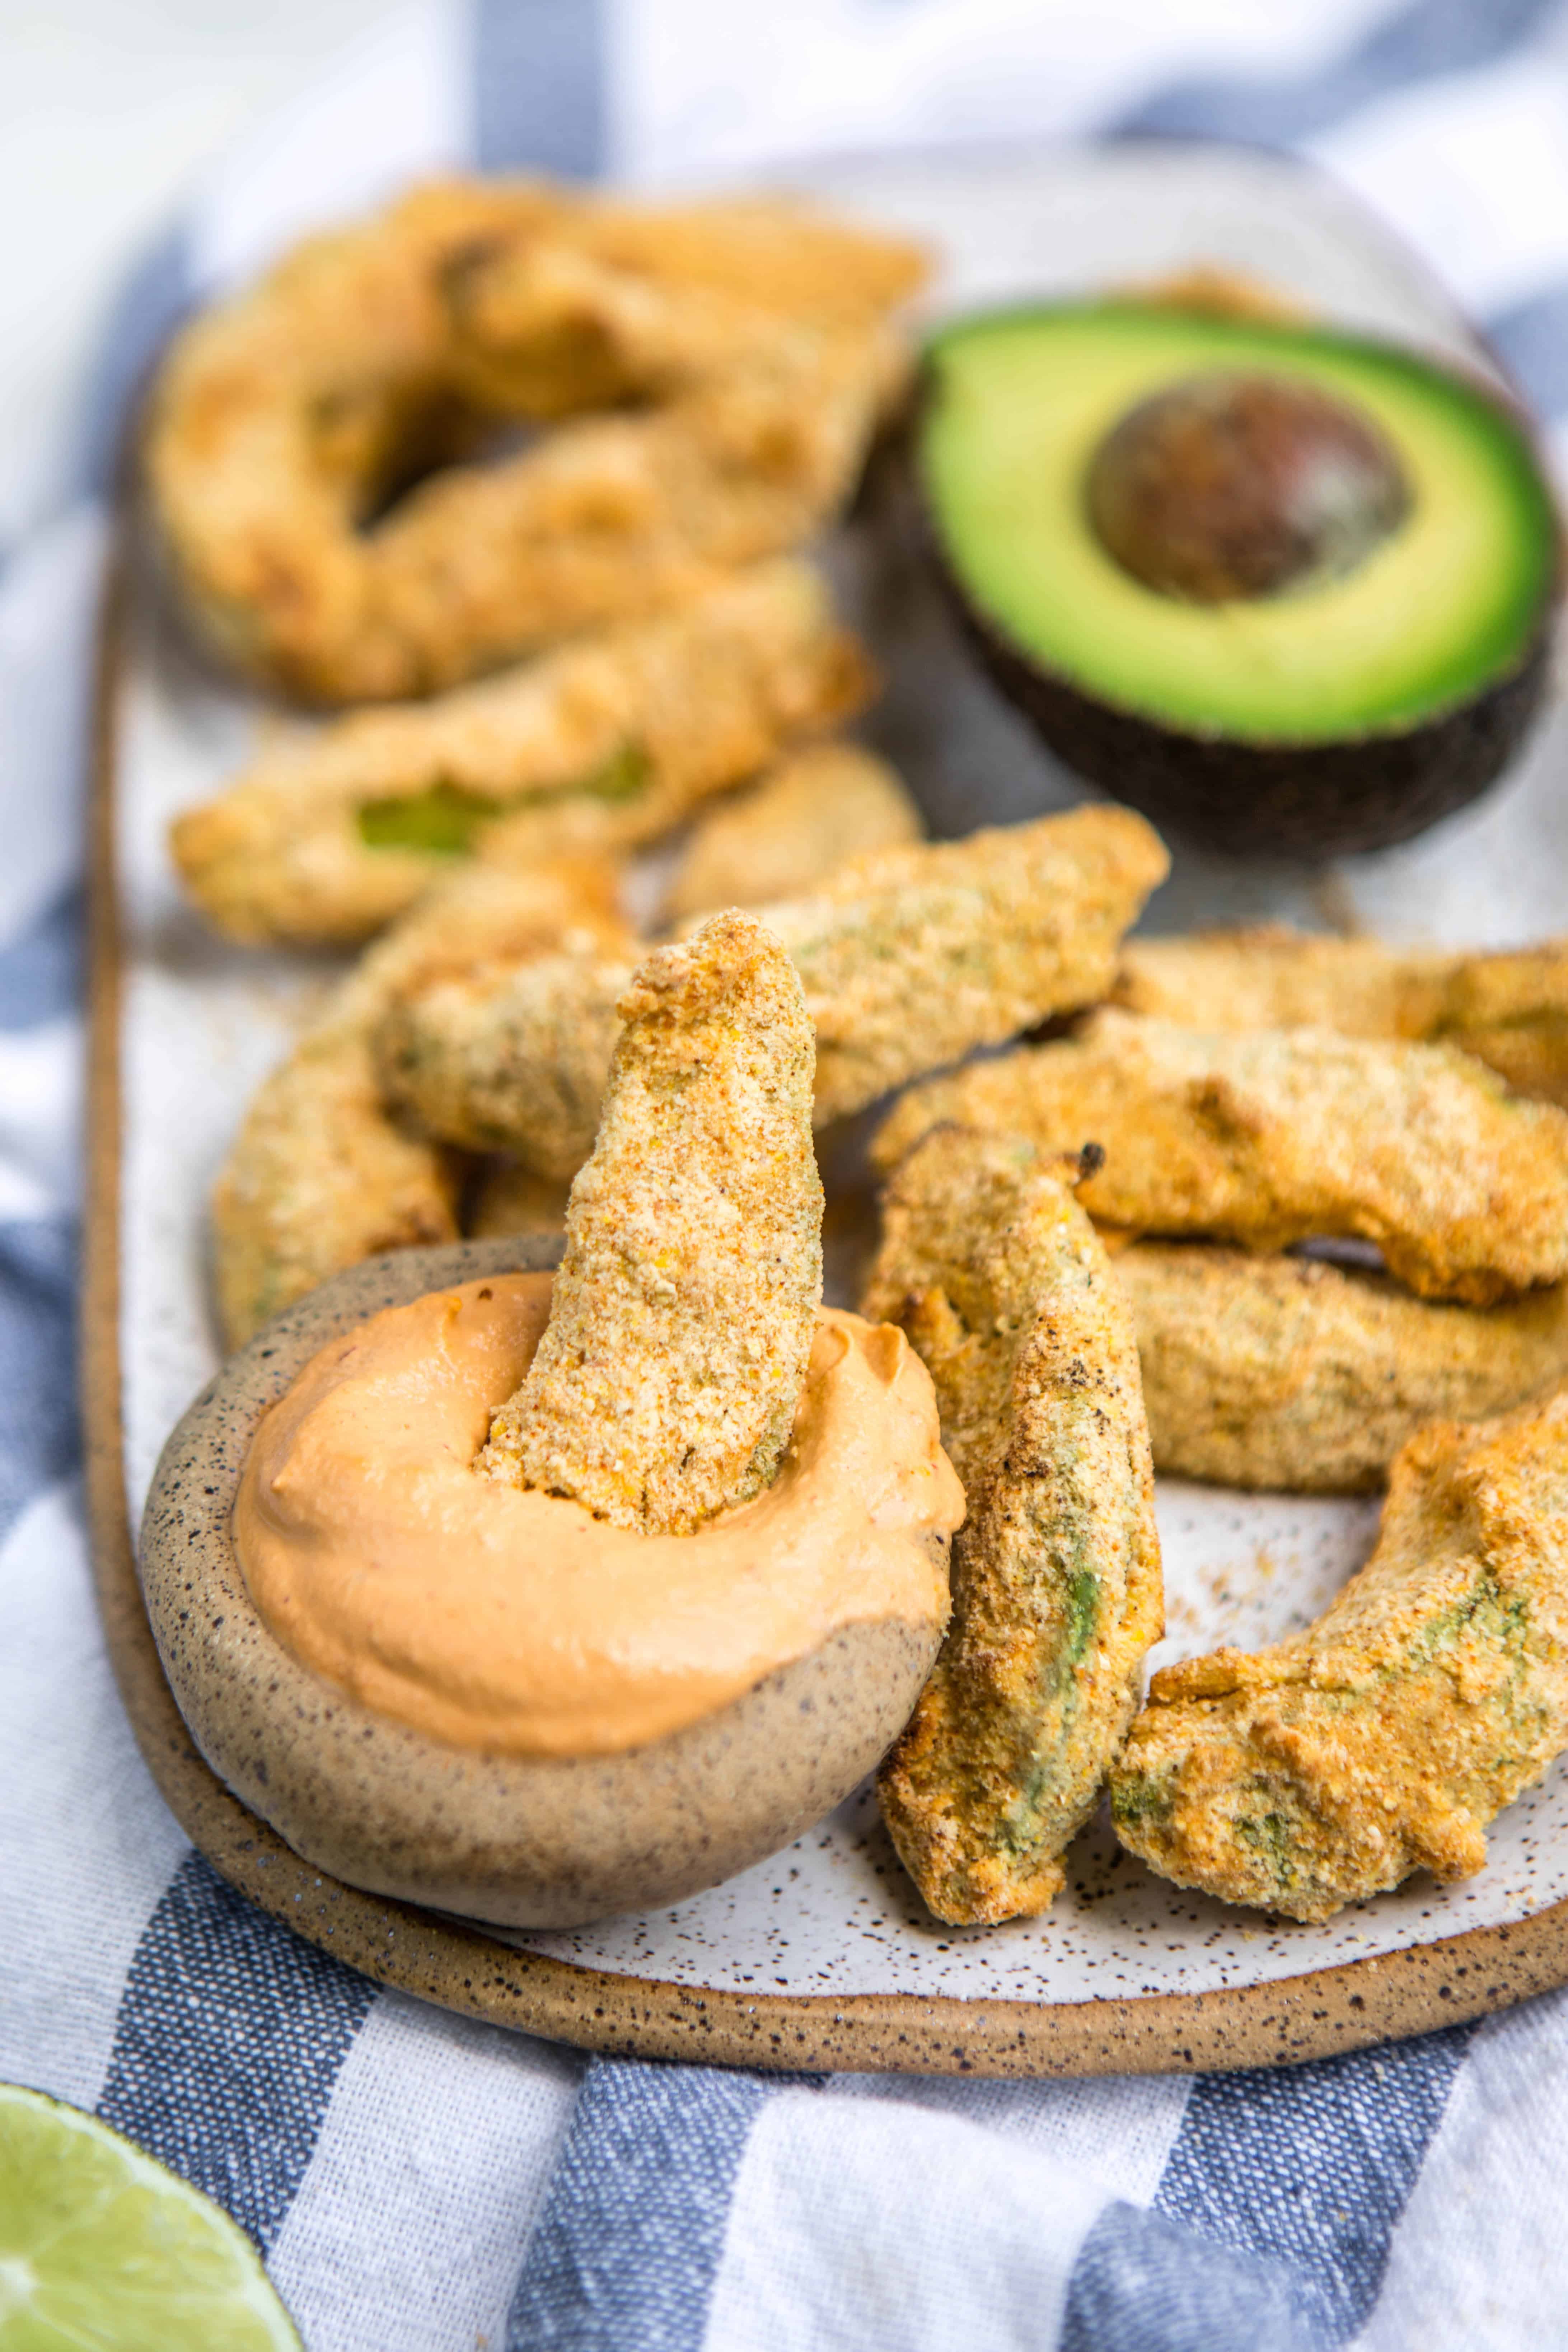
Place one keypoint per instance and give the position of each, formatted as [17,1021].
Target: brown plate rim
[1283,2021]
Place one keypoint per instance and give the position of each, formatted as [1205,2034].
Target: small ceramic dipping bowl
[514,1840]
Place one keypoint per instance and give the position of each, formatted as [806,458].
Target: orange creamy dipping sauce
[499,1619]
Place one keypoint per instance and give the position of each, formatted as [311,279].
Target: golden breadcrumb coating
[909,957]
[636,306]
[1266,976]
[509,1058]
[782,837]
[1382,1740]
[320,1174]
[604,744]
[665,1387]
[1508,1009]
[999,1281]
[1216,291]
[285,419]
[1267,1137]
[1288,1373]
[317,1178]
[618,516]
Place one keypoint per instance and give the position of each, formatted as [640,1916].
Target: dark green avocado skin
[1306,802]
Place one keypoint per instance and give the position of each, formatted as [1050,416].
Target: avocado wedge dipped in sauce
[1286,589]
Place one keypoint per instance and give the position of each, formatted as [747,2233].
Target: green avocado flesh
[442,820]
[1449,603]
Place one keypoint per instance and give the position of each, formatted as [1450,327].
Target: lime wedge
[102,2251]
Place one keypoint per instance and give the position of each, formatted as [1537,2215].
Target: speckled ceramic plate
[822,1957]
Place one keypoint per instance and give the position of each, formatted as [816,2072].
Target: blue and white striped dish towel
[420,2184]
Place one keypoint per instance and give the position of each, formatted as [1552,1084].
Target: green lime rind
[103,2249]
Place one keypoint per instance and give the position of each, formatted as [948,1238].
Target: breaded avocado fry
[1268,1137]
[320,1174]
[594,749]
[612,306]
[611,516]
[1328,1768]
[912,957]
[317,1178]
[1508,1009]
[908,959]
[1003,1289]
[737,402]
[665,1387]
[783,835]
[510,1058]
[1267,976]
[1288,1373]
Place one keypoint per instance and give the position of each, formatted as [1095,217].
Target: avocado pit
[1240,484]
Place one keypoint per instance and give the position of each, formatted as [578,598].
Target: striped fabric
[416,2181]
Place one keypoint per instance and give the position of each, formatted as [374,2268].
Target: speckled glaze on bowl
[516,1841]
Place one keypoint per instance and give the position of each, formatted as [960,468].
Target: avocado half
[1328,616]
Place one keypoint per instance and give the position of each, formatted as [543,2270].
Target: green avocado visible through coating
[1290,1374]
[444,818]
[1020,405]
[1003,1289]
[1382,1740]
